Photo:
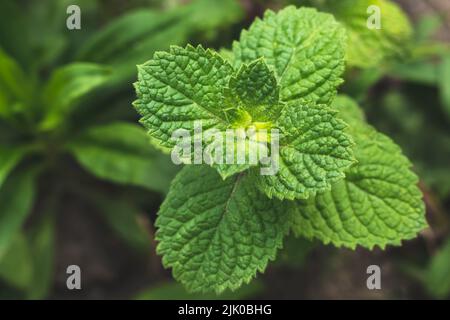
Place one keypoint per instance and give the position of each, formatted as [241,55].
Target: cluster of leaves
[409,100]
[339,180]
[61,97]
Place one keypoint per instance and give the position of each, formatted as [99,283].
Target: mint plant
[339,180]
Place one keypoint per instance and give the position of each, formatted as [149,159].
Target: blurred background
[79,184]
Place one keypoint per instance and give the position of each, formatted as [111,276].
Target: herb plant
[339,180]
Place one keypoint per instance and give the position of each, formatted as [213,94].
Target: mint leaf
[368,47]
[217,234]
[378,203]
[179,87]
[255,90]
[314,152]
[304,47]
[186,86]
[121,152]
[349,111]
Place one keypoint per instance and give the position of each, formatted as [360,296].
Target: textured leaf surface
[185,87]
[255,90]
[217,234]
[377,204]
[181,86]
[368,47]
[314,152]
[304,47]
[121,152]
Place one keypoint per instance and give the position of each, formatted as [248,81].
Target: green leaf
[437,275]
[295,252]
[9,158]
[444,83]
[121,152]
[349,111]
[255,90]
[423,72]
[227,54]
[12,79]
[314,151]
[42,246]
[14,85]
[185,87]
[378,204]
[217,234]
[16,199]
[67,86]
[368,47]
[400,113]
[305,48]
[16,266]
[179,87]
